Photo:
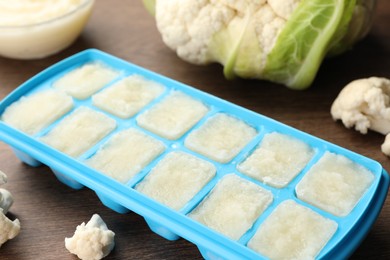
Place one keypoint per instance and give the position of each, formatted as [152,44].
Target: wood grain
[49,211]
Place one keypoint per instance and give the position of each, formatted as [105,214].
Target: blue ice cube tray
[175,224]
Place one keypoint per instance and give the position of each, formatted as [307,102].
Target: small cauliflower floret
[6,199]
[3,178]
[386,145]
[365,104]
[9,229]
[91,241]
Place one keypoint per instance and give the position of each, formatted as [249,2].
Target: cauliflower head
[283,41]
[91,241]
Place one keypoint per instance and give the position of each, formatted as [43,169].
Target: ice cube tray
[171,224]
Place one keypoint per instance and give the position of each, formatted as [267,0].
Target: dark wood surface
[49,211]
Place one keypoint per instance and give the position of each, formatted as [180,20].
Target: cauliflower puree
[35,29]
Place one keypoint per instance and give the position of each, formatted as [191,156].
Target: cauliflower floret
[385,147]
[365,104]
[283,8]
[3,178]
[187,26]
[6,199]
[8,229]
[91,241]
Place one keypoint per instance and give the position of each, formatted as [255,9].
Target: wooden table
[49,211]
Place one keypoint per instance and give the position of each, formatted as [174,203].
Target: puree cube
[232,206]
[177,179]
[126,154]
[82,82]
[292,231]
[31,114]
[334,184]
[277,160]
[126,97]
[174,116]
[221,138]
[79,131]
